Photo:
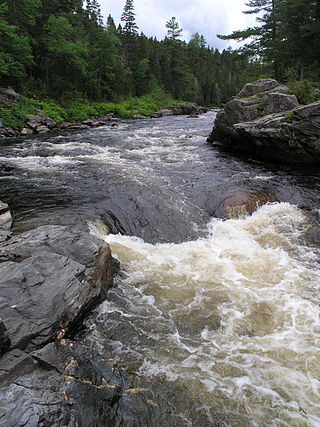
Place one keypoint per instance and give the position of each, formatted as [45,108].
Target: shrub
[305,92]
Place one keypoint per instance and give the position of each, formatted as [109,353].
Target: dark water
[219,310]
[157,179]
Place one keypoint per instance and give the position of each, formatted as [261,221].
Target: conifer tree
[174,30]
[265,38]
[128,16]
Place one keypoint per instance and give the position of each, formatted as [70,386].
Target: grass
[16,116]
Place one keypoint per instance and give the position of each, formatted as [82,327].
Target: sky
[207,17]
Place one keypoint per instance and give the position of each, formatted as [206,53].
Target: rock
[138,117]
[3,207]
[1,123]
[165,112]
[10,93]
[26,131]
[42,129]
[278,102]
[270,124]
[258,86]
[193,116]
[187,109]
[61,275]
[5,222]
[69,385]
[5,341]
[7,133]
[90,123]
[40,121]
[239,203]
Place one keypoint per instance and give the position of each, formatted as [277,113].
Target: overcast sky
[207,17]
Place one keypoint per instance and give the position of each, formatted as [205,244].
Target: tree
[94,11]
[174,30]
[265,40]
[128,16]
[15,53]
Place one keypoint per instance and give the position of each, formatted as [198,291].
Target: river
[218,308]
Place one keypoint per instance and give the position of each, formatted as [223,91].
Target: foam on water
[233,317]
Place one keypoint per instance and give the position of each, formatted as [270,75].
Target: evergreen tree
[94,11]
[128,16]
[174,30]
[265,40]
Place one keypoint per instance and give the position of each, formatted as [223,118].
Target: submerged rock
[264,120]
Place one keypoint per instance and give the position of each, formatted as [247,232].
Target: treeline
[62,49]
[287,37]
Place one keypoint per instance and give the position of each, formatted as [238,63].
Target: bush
[305,92]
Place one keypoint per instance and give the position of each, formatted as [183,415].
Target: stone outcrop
[50,279]
[264,120]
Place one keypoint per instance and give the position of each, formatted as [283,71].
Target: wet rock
[61,275]
[270,124]
[239,204]
[69,385]
[5,341]
[193,116]
[5,222]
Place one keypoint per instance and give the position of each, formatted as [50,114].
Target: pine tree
[174,30]
[265,38]
[128,16]
[94,11]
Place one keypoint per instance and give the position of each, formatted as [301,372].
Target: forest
[64,50]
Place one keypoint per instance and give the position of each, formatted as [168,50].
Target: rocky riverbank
[40,123]
[50,278]
[265,120]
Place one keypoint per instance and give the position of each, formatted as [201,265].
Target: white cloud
[207,17]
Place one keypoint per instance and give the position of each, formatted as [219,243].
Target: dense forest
[63,49]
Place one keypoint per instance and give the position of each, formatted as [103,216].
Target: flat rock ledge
[265,121]
[50,278]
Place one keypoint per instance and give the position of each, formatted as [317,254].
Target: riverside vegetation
[70,65]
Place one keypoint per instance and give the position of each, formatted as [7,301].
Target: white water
[234,318]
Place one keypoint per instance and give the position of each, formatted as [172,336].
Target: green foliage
[288,117]
[305,92]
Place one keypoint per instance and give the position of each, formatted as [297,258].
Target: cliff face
[264,120]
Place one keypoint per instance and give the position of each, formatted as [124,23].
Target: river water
[218,307]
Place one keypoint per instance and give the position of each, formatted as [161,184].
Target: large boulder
[50,278]
[264,120]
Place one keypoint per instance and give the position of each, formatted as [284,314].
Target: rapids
[217,309]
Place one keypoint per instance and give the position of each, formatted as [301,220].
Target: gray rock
[10,93]
[42,129]
[5,221]
[69,385]
[4,207]
[256,87]
[5,341]
[270,124]
[1,123]
[26,131]
[278,102]
[61,275]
